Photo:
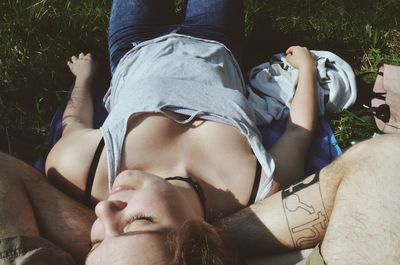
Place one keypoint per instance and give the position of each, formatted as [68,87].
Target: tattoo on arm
[305,212]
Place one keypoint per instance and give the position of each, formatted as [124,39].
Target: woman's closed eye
[138,217]
[94,243]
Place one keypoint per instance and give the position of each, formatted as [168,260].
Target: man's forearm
[295,218]
[248,233]
[357,194]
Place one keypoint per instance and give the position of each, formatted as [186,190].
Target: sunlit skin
[216,155]
[134,221]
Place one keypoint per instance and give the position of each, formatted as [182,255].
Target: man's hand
[300,58]
[83,67]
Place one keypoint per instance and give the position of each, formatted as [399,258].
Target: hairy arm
[33,207]
[294,218]
[357,193]
[290,151]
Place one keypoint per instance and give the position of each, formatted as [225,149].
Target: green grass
[38,37]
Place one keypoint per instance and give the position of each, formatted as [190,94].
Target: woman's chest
[217,155]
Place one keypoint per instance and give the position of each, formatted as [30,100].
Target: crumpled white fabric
[272,86]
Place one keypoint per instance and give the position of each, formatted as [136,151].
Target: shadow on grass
[262,42]
[266,39]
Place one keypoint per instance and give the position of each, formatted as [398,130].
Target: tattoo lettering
[293,203]
[300,186]
[305,212]
[310,230]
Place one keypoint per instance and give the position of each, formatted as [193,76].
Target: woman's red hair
[198,243]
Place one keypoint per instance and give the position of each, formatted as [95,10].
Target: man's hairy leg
[16,214]
[299,216]
[364,226]
[60,219]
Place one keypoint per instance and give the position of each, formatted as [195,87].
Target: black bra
[92,172]
[256,184]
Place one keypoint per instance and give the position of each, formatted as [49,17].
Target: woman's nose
[109,213]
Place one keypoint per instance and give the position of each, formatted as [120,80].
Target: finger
[69,64]
[291,49]
[306,49]
[81,55]
[313,55]
[88,56]
[74,58]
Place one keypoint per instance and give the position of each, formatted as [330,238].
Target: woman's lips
[120,188]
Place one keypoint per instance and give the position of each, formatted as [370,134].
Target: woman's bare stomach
[217,155]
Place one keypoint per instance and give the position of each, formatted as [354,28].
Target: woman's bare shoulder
[70,159]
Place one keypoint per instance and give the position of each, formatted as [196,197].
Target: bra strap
[92,172]
[256,184]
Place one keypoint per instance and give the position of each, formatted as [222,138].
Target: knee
[372,160]
[385,148]
[11,167]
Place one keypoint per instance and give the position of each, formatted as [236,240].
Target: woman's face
[133,222]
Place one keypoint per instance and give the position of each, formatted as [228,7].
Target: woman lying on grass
[182,149]
[183,173]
